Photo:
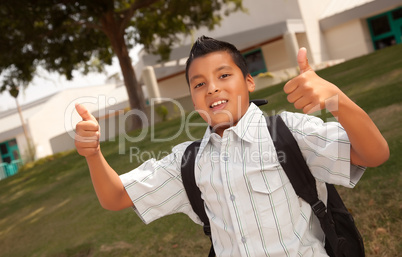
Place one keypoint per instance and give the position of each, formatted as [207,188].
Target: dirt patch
[84,250]
[114,246]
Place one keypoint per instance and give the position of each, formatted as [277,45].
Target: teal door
[9,151]
[10,158]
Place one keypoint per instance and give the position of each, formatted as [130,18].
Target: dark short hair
[205,45]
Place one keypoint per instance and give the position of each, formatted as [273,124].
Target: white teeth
[218,103]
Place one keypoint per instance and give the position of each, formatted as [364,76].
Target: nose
[212,88]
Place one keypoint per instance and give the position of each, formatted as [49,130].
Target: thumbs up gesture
[87,133]
[308,91]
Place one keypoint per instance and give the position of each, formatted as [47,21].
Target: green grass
[50,208]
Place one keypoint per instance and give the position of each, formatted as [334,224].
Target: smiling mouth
[218,103]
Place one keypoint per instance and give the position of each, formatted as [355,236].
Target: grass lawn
[50,208]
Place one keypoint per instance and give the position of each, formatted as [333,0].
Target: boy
[252,207]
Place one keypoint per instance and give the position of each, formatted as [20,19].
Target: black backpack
[342,238]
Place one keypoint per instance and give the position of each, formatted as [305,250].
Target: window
[380,25]
[255,62]
[3,149]
[386,28]
[397,14]
[9,151]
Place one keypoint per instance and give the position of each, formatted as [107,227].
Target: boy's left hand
[311,93]
[308,91]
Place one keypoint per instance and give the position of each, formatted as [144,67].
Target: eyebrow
[224,67]
[216,70]
[194,78]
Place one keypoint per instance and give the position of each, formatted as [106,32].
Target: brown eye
[199,85]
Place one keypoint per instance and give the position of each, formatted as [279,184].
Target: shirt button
[243,240]
[232,198]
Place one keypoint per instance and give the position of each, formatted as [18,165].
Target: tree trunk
[134,90]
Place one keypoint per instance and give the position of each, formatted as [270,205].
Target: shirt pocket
[276,203]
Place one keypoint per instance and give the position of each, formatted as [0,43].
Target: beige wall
[275,55]
[303,42]
[175,87]
[277,58]
[311,11]
[58,115]
[22,146]
[348,40]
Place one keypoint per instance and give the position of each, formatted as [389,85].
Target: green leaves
[49,34]
[62,36]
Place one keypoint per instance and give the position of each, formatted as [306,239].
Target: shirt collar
[245,129]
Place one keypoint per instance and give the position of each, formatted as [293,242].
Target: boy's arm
[311,93]
[108,186]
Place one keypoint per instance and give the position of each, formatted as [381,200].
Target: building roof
[340,12]
[336,6]
[26,106]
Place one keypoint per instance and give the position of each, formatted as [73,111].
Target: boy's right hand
[87,133]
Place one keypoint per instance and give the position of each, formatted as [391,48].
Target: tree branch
[129,13]
[88,24]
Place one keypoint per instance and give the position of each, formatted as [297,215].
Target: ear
[250,83]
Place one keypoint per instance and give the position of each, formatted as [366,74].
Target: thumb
[302,60]
[84,113]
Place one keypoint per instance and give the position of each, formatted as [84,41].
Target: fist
[87,133]
[308,91]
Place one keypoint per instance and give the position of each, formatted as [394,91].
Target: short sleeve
[156,187]
[326,148]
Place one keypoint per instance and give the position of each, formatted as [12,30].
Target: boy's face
[219,90]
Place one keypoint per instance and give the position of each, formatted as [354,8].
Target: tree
[68,35]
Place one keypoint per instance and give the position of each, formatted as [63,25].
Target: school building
[269,35]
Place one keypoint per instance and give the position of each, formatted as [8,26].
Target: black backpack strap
[192,190]
[299,174]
